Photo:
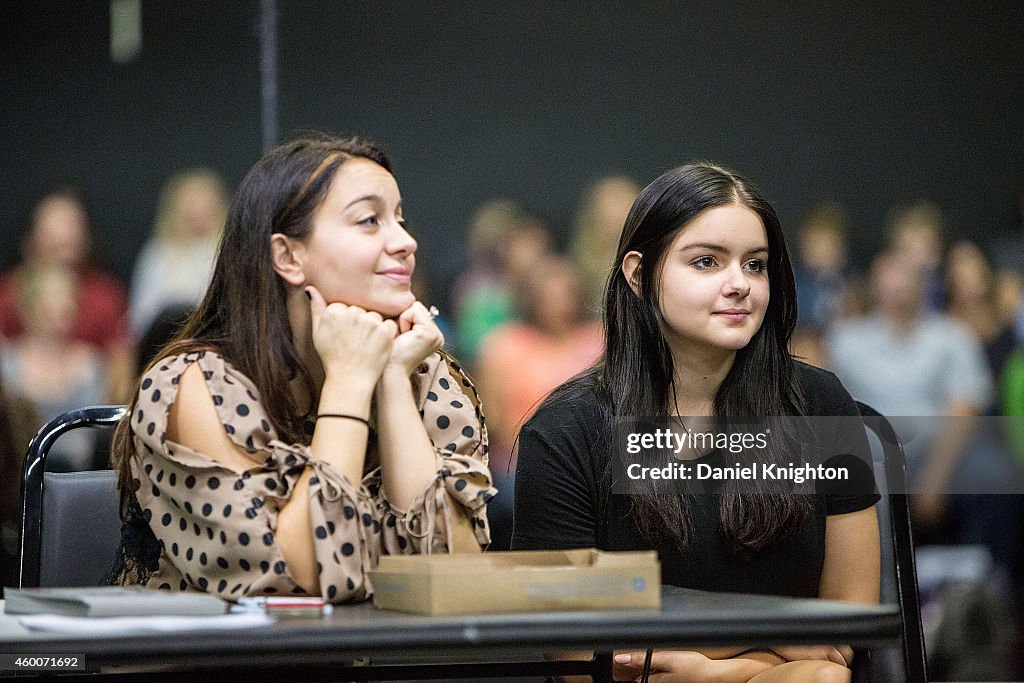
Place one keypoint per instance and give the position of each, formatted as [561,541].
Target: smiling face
[713,290]
[358,251]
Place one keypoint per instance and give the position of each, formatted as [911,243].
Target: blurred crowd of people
[933,325]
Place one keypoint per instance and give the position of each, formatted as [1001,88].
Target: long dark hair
[243,315]
[634,378]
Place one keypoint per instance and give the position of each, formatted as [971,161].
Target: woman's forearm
[408,462]
[342,441]
[295,536]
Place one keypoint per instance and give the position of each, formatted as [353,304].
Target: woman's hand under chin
[352,343]
[418,337]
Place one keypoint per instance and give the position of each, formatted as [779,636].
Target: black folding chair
[899,571]
[70,522]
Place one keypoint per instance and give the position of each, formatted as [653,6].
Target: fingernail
[622,659]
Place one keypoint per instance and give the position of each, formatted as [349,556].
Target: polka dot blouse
[216,527]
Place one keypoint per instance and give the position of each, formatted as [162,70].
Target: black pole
[268,72]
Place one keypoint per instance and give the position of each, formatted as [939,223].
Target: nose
[401,242]
[736,285]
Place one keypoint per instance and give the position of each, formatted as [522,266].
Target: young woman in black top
[699,310]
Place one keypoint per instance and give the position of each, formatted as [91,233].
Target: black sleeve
[554,504]
[828,397]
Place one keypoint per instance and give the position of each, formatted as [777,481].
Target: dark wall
[532,100]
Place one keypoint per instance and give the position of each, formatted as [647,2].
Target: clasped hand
[356,343]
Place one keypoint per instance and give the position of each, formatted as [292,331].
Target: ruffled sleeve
[216,527]
[450,408]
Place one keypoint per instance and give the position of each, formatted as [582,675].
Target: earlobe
[286,257]
[631,270]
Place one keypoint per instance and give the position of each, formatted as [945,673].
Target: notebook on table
[111,601]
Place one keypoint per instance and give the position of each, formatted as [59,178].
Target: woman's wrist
[395,375]
[355,378]
[346,397]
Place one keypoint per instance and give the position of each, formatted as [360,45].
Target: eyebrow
[719,248]
[371,198]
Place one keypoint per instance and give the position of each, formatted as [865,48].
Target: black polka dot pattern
[216,527]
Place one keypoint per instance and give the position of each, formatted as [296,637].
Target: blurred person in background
[904,360]
[174,266]
[916,233]
[1007,253]
[504,243]
[520,362]
[48,366]
[972,298]
[821,267]
[596,233]
[59,234]
[822,278]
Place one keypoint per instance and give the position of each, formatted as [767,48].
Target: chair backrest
[70,522]
[899,572]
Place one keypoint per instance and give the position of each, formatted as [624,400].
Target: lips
[400,275]
[733,314]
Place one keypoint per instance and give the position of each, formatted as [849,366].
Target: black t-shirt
[562,501]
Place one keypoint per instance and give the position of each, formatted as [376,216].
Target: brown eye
[704,262]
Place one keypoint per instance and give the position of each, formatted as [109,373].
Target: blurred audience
[973,299]
[907,361]
[48,366]
[505,243]
[174,266]
[597,227]
[58,235]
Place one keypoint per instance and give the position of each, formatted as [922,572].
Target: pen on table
[269,603]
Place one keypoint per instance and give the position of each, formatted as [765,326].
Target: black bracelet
[345,417]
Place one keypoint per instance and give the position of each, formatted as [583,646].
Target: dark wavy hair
[634,377]
[243,315]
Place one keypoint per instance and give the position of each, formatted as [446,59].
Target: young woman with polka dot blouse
[305,420]
[699,310]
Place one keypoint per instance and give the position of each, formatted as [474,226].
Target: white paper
[118,626]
